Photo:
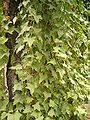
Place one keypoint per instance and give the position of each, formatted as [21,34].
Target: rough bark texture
[6,6]
[11,76]
[10,10]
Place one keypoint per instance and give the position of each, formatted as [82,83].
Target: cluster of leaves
[54,71]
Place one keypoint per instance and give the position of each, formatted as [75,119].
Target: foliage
[54,72]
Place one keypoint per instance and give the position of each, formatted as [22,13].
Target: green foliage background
[54,74]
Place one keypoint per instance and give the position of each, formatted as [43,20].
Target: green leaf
[47,95]
[36,114]
[61,72]
[10,117]
[29,99]
[46,106]
[28,109]
[20,48]
[42,77]
[52,103]
[14,20]
[40,118]
[51,113]
[63,55]
[31,87]
[81,110]
[4,115]
[37,18]
[3,40]
[25,28]
[38,56]
[30,41]
[15,116]
[52,61]
[18,86]
[17,67]
[17,99]
[56,49]
[4,105]
[37,106]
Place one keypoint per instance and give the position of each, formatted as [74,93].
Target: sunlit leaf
[51,113]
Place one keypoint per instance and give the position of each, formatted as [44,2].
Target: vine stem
[5,79]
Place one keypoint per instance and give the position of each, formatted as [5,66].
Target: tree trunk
[10,10]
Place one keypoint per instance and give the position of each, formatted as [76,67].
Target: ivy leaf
[17,99]
[37,106]
[37,18]
[27,109]
[52,103]
[17,67]
[19,106]
[52,61]
[3,106]
[40,118]
[31,87]
[29,99]
[63,55]
[30,41]
[51,113]
[25,28]
[61,72]
[3,40]
[38,56]
[18,86]
[10,117]
[42,77]
[20,48]
[56,49]
[25,3]
[36,114]
[15,116]
[37,31]
[81,110]
[47,95]
[4,115]
[46,106]
[14,20]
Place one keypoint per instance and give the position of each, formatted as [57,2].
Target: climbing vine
[50,60]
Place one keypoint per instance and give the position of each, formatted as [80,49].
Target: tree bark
[10,10]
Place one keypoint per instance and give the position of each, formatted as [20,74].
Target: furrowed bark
[10,10]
